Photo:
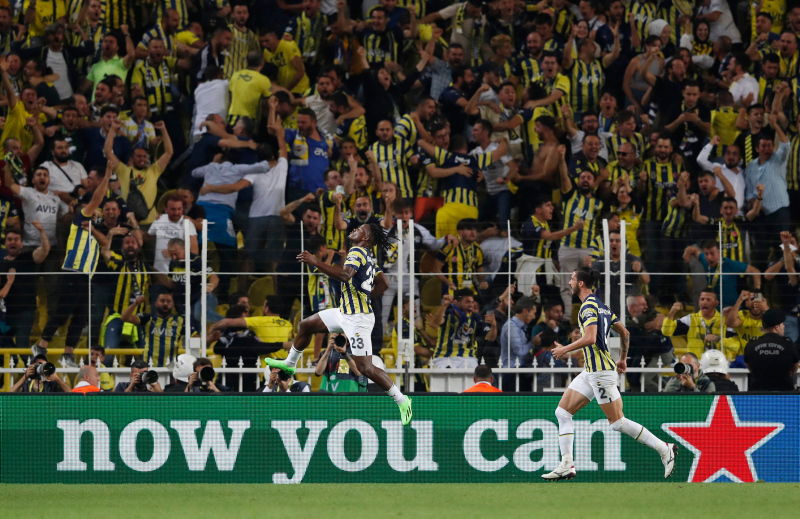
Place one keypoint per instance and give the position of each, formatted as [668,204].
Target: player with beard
[599,379]
[354,316]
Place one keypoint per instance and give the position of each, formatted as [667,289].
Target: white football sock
[293,357]
[640,434]
[396,395]
[566,433]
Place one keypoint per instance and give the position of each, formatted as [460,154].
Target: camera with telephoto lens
[340,341]
[147,377]
[205,375]
[684,369]
[44,370]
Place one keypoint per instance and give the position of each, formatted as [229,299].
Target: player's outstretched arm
[343,274]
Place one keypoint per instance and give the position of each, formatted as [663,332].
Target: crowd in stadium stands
[286,124]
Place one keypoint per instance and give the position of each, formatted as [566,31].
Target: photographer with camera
[644,323]
[689,377]
[338,369]
[142,380]
[202,379]
[40,377]
[281,382]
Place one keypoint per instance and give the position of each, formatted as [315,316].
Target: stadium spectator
[32,382]
[484,380]
[97,358]
[161,331]
[337,369]
[647,341]
[515,346]
[772,358]
[553,319]
[136,385]
[167,226]
[636,277]
[88,380]
[713,264]
[747,322]
[692,381]
[19,292]
[459,327]
[702,328]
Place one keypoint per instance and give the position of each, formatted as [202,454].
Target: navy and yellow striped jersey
[156,81]
[580,163]
[393,160]
[532,242]
[563,26]
[607,124]
[461,263]
[458,188]
[587,81]
[349,202]
[732,245]
[613,142]
[661,180]
[319,290]
[748,146]
[793,165]
[555,44]
[381,46]
[96,35]
[308,34]
[669,13]
[356,129]
[528,70]
[643,12]
[241,44]
[82,249]
[559,82]
[115,14]
[161,337]
[157,32]
[356,292]
[458,334]
[575,206]
[594,313]
[676,222]
[406,129]
[615,171]
[790,67]
[334,238]
[178,5]
[131,282]
[767,86]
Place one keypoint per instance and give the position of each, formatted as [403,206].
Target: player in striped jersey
[80,262]
[599,379]
[392,155]
[587,73]
[354,317]
[244,40]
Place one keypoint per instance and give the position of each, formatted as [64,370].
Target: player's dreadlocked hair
[380,238]
[589,276]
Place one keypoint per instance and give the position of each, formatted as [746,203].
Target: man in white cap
[714,364]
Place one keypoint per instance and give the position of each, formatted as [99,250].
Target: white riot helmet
[183,367]
[714,361]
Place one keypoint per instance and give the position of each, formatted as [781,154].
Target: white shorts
[356,327]
[600,384]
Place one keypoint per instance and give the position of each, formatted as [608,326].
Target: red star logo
[723,445]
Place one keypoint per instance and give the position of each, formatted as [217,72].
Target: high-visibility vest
[86,389]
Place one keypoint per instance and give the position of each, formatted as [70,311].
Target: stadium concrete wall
[359,438]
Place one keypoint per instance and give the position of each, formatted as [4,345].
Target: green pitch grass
[613,500]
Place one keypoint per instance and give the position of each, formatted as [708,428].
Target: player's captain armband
[588,314]
[355,258]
